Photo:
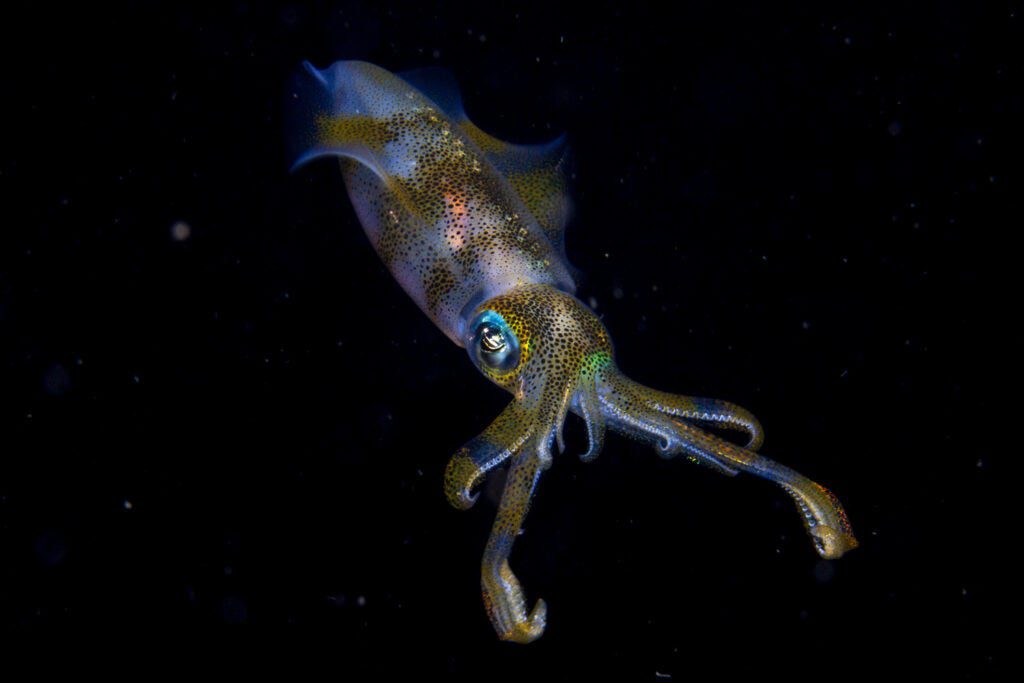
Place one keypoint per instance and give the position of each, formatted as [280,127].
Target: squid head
[555,356]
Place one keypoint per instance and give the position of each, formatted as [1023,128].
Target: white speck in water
[618,293]
[127,504]
[181,231]
[361,601]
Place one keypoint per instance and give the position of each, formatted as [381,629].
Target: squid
[473,230]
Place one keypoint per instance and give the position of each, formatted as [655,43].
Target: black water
[221,415]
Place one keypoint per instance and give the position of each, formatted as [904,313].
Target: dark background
[805,211]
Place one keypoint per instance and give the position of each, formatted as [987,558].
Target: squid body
[472,228]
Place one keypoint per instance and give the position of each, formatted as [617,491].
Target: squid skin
[472,228]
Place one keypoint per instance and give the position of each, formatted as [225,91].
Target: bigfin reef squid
[473,230]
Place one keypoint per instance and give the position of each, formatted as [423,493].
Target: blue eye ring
[493,345]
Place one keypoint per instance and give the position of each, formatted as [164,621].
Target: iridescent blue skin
[472,228]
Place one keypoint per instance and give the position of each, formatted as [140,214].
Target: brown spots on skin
[543,190]
[557,335]
[442,216]
[340,131]
[439,283]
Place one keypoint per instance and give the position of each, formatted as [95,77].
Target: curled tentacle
[702,411]
[540,419]
[628,411]
[503,595]
[588,406]
[468,467]
[522,434]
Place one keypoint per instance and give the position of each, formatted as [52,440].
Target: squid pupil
[491,339]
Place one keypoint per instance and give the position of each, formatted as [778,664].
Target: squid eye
[493,345]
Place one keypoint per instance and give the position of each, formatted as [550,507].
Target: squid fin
[338,111]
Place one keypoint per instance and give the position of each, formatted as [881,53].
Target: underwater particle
[181,231]
[56,381]
[895,128]
[361,601]
[824,571]
[50,548]
[234,610]
[127,504]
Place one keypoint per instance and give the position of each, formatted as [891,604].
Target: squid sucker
[472,228]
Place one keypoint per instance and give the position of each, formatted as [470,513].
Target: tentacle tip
[460,478]
[593,450]
[832,544]
[531,628]
[462,499]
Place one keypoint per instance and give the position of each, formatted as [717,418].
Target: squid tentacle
[822,514]
[503,594]
[710,412]
[587,404]
[522,434]
[466,470]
